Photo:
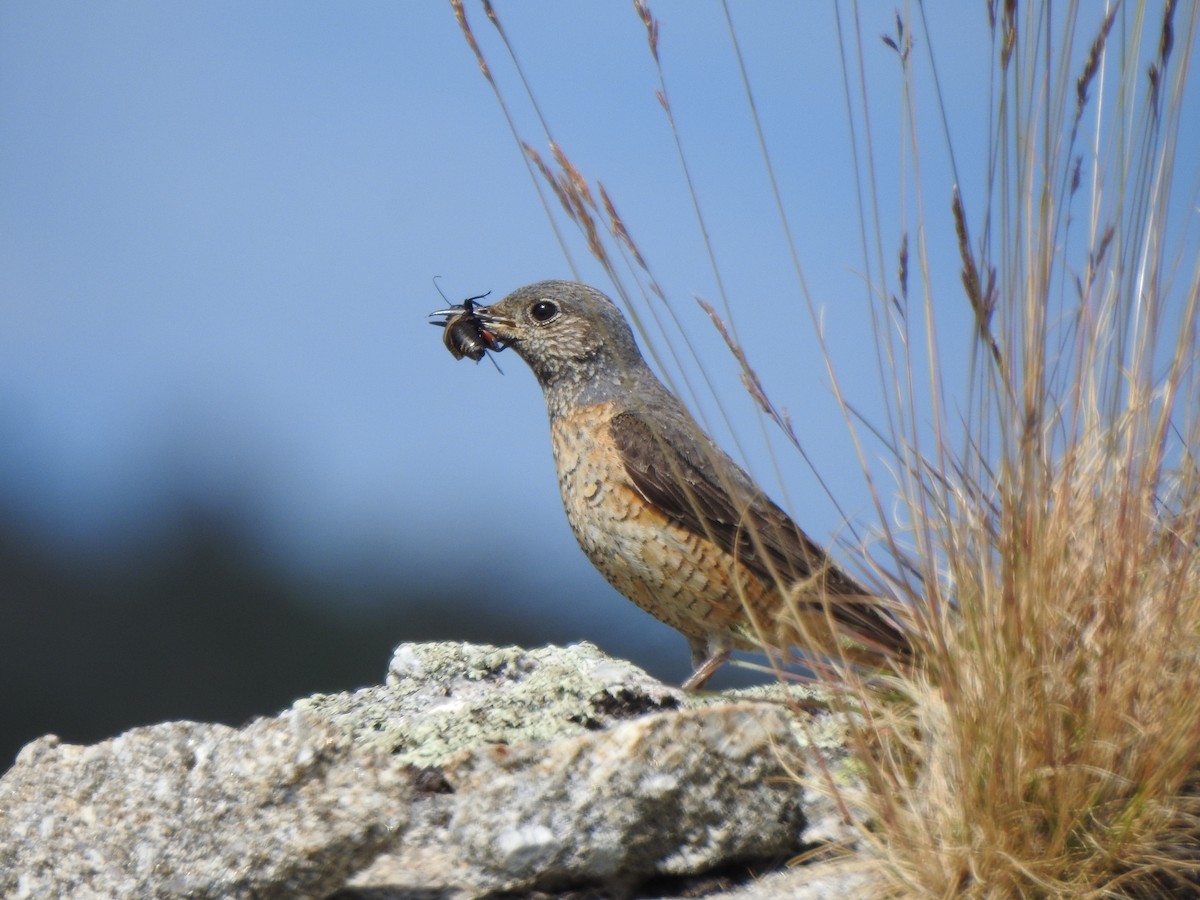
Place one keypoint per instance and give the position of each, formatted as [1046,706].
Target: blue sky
[220,224]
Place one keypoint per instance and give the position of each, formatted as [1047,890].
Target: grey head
[574,338]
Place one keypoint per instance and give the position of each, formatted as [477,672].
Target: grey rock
[585,808]
[838,880]
[285,807]
[551,786]
[471,770]
[441,698]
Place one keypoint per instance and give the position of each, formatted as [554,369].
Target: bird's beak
[502,327]
[483,313]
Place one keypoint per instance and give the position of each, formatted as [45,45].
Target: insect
[465,333]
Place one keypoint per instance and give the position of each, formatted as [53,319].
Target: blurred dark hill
[196,623]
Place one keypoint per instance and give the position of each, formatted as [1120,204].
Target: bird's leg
[707,658]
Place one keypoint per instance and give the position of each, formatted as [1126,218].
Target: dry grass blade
[651,24]
[1092,64]
[621,233]
[461,15]
[981,296]
[469,35]
[1166,42]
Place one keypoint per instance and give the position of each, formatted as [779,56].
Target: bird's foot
[706,670]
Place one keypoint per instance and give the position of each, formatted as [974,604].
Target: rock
[471,770]
[819,881]
[440,698]
[549,782]
[285,807]
[581,809]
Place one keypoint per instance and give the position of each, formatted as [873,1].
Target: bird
[665,515]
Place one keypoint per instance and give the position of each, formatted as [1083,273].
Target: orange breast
[676,575]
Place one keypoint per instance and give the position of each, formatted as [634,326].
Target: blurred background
[236,464]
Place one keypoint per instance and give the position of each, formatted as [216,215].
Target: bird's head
[566,332]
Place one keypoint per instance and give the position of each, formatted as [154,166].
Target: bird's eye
[543,310]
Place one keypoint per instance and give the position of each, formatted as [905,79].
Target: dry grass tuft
[1050,746]
[1053,744]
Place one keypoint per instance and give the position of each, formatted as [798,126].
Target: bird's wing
[741,520]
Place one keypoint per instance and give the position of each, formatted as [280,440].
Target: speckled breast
[671,572]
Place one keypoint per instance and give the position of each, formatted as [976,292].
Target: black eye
[544,310]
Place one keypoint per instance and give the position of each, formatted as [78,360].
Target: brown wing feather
[755,531]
